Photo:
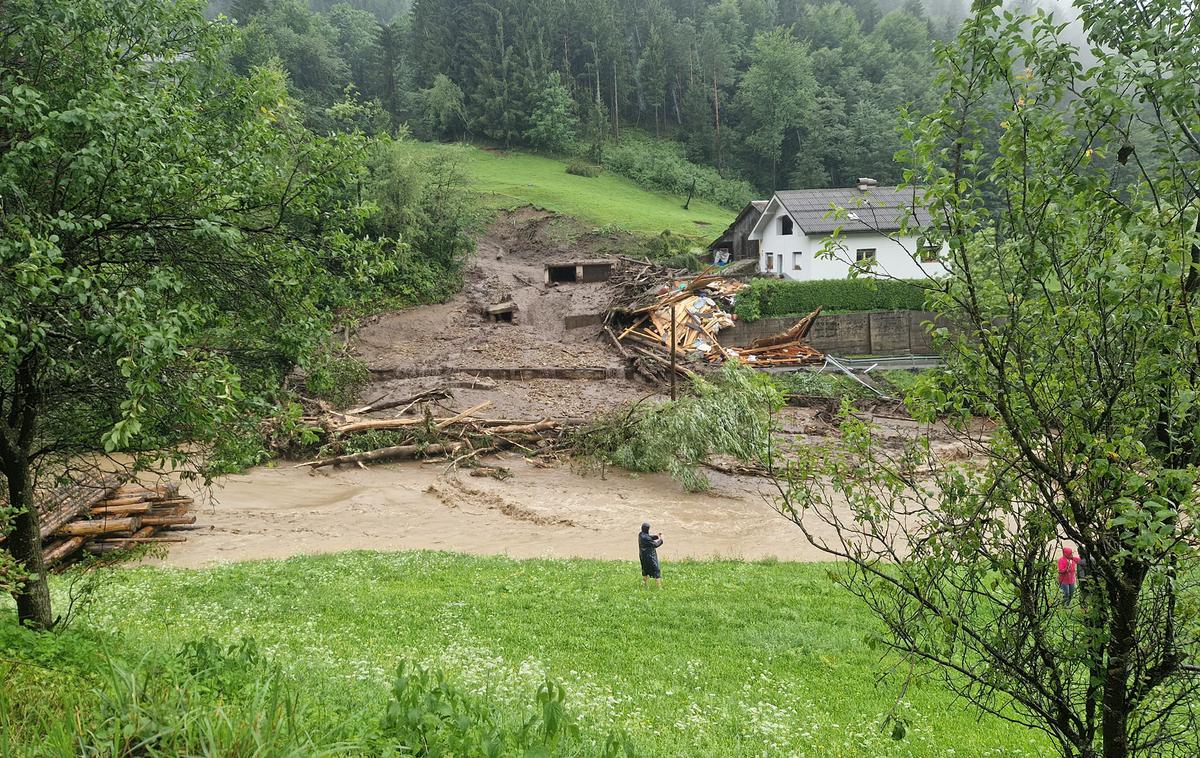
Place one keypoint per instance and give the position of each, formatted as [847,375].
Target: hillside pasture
[508,180]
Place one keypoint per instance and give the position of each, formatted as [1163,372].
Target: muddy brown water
[537,512]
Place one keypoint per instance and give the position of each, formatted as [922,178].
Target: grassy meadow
[730,659]
[513,179]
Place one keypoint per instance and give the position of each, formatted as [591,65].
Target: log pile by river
[100,514]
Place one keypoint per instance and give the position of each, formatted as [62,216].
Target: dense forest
[774,92]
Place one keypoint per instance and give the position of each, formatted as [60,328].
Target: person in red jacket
[1066,574]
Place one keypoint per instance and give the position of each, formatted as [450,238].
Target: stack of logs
[101,516]
[456,438]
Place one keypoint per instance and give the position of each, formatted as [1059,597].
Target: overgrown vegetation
[196,243]
[728,414]
[819,384]
[767,298]
[662,166]
[579,168]
[734,658]
[213,697]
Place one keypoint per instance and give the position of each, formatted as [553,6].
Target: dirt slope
[456,334]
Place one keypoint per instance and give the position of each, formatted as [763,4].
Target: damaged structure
[684,317]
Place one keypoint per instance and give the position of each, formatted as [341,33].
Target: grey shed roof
[755,206]
[877,209]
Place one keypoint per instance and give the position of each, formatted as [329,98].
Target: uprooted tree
[1075,302]
[166,228]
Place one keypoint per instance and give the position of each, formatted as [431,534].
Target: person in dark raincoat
[648,545]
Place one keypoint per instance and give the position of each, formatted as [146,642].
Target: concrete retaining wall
[506,372]
[868,333]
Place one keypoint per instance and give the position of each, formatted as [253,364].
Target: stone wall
[845,334]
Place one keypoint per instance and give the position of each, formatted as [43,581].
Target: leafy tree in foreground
[165,230]
[1077,307]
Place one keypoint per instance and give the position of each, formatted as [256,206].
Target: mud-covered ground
[508,265]
[541,509]
[537,512]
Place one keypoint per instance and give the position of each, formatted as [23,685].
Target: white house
[796,225]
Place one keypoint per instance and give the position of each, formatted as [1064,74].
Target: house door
[779,264]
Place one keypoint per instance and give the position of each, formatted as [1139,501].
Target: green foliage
[768,298]
[227,698]
[669,249]
[443,103]
[579,168]
[728,415]
[429,711]
[423,219]
[776,98]
[553,124]
[661,166]
[187,253]
[335,376]
[1074,241]
[820,384]
[774,92]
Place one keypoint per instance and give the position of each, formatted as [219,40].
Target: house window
[785,225]
[770,262]
[864,255]
[797,259]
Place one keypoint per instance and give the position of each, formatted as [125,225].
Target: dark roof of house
[755,206]
[874,209]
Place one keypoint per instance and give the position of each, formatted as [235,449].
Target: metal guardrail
[868,365]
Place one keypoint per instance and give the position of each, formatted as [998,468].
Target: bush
[579,168]
[782,297]
[660,165]
[335,376]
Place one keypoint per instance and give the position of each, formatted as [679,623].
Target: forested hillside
[775,92]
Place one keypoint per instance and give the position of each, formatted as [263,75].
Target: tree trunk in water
[25,545]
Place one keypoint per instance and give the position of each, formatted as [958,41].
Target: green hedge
[783,297]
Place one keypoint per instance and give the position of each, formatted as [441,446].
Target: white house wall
[894,257]
[773,243]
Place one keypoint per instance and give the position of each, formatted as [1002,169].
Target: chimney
[865,183]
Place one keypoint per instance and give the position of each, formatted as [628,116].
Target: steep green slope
[513,179]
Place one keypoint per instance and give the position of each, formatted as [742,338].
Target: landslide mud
[537,512]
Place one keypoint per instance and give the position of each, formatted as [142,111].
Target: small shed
[579,272]
[734,243]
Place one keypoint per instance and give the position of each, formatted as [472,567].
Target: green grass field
[509,180]
[731,659]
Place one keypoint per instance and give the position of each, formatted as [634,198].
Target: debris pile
[101,513]
[787,348]
[458,438]
[692,311]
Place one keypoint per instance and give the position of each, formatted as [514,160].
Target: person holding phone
[648,545]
